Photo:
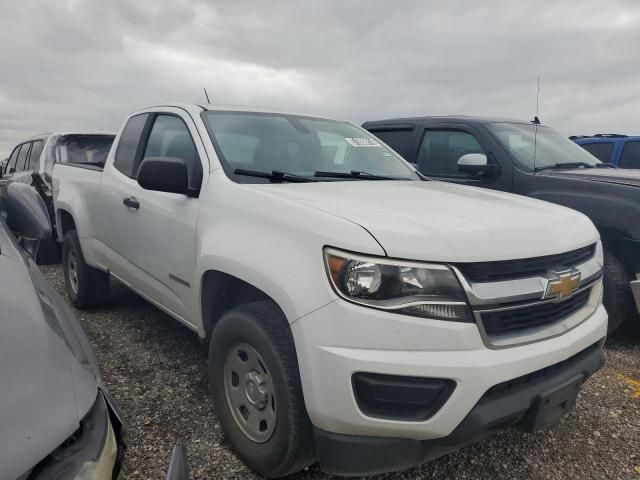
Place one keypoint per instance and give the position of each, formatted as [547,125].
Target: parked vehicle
[31,162]
[356,314]
[535,161]
[620,150]
[57,419]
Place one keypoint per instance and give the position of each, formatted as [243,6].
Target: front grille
[500,322]
[527,267]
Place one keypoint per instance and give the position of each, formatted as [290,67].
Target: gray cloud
[77,64]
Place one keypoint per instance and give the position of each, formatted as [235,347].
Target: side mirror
[164,174]
[476,164]
[27,216]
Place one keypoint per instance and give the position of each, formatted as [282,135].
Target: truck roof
[195,109]
[41,136]
[446,119]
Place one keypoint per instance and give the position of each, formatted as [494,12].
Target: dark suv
[533,160]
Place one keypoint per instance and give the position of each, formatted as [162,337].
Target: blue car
[620,150]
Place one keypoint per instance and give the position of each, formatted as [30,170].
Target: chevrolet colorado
[356,313]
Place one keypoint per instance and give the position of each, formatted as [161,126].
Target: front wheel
[255,382]
[617,298]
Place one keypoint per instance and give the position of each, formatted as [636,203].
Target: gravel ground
[156,368]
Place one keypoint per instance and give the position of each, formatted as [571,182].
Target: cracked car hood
[48,378]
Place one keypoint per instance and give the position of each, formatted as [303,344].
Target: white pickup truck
[357,313]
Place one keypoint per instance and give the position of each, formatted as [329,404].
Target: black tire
[89,287]
[617,297]
[262,326]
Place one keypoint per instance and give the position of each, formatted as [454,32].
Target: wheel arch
[220,292]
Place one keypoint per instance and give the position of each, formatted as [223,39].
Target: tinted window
[398,139]
[76,148]
[128,144]
[630,155]
[440,151]
[22,157]
[170,137]
[602,151]
[12,159]
[34,157]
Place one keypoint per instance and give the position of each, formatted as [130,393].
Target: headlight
[421,290]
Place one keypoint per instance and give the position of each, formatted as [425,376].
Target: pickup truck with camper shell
[530,159]
[357,314]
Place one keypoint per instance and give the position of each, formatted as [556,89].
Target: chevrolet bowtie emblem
[562,284]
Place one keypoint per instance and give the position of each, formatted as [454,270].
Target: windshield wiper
[274,176]
[558,166]
[606,165]
[352,174]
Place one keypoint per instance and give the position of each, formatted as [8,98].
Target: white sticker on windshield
[362,142]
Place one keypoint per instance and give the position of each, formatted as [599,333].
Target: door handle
[131,202]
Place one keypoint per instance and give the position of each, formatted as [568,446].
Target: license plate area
[552,404]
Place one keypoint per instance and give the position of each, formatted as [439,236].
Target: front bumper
[341,339]
[518,404]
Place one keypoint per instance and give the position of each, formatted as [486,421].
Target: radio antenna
[536,123]
[206,95]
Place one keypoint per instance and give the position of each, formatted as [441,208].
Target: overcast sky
[74,64]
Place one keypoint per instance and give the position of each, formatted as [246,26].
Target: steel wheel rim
[248,388]
[72,270]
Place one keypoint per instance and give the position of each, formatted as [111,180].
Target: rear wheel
[253,372]
[617,298]
[86,286]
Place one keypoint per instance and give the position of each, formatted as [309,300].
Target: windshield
[83,148]
[551,148]
[305,147]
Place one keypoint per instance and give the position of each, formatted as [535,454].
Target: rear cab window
[128,145]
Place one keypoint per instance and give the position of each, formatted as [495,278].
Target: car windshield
[302,148]
[551,149]
[83,148]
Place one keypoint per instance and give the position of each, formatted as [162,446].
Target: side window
[397,138]
[22,157]
[602,151]
[170,137]
[440,151]
[34,156]
[128,145]
[12,159]
[630,155]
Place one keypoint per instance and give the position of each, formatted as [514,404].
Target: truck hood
[438,221]
[48,380]
[608,175]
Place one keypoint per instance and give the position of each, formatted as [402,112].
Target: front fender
[248,236]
